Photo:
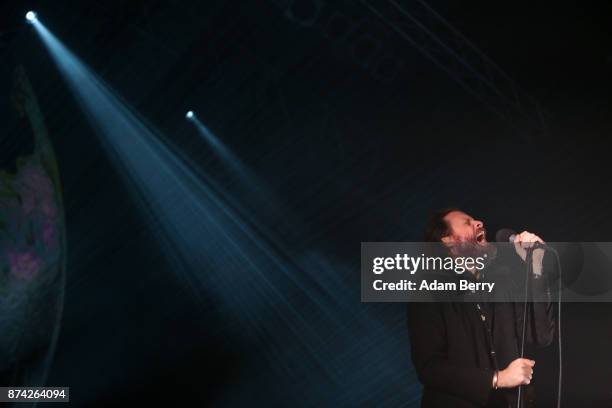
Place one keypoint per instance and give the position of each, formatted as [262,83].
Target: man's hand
[518,372]
[526,240]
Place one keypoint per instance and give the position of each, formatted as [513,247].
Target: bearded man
[468,353]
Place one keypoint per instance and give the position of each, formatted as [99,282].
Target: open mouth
[481,237]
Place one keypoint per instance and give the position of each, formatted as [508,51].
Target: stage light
[30,16]
[189,115]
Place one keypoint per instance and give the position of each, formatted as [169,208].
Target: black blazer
[451,349]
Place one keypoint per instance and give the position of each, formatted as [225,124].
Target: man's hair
[436,226]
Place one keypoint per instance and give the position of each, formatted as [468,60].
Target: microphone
[505,235]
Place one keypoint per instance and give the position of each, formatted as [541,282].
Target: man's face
[464,229]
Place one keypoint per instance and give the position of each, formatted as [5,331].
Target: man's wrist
[495,378]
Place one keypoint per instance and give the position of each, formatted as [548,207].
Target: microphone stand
[528,272]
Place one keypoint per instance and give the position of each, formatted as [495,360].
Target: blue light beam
[233,162]
[211,239]
[317,340]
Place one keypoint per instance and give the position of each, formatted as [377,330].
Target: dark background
[360,135]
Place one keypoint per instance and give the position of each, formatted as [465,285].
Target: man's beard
[474,248]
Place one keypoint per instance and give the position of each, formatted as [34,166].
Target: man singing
[467,354]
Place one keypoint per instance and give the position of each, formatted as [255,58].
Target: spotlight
[30,16]
[189,115]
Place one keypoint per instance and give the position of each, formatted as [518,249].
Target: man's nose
[478,224]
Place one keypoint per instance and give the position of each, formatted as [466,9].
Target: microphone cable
[559,380]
